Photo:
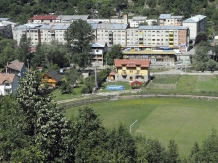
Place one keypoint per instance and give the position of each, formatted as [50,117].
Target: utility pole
[96,84]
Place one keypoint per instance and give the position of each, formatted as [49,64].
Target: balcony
[171,32]
[124,73]
[171,41]
[170,36]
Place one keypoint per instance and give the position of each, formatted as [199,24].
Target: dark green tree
[211,65]
[200,58]
[23,52]
[79,42]
[121,146]
[89,136]
[172,153]
[114,53]
[201,36]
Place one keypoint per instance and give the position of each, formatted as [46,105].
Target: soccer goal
[134,126]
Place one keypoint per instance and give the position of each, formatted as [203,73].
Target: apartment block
[169,20]
[196,24]
[111,33]
[158,36]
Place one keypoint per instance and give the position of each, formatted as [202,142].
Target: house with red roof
[8,84]
[131,70]
[43,19]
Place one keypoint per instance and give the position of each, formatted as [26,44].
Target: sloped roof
[194,19]
[54,75]
[131,62]
[6,77]
[44,17]
[16,65]
[99,44]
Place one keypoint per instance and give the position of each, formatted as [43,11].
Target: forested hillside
[21,10]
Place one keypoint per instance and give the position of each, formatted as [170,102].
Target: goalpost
[134,124]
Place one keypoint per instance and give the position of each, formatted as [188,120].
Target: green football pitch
[184,120]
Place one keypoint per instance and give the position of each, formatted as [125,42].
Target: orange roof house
[132,69]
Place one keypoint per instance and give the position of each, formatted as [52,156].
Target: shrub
[85,90]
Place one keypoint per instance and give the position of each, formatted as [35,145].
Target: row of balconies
[138,73]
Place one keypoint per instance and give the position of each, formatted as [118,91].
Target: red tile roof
[6,77]
[44,17]
[131,62]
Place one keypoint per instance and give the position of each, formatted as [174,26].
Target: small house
[8,84]
[52,78]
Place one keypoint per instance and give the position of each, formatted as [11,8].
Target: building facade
[196,24]
[131,70]
[98,51]
[176,37]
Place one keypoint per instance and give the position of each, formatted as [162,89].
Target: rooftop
[44,17]
[194,19]
[139,18]
[161,27]
[99,44]
[169,16]
[16,65]
[131,62]
[6,77]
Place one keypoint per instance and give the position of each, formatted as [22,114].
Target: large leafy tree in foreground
[45,123]
[79,37]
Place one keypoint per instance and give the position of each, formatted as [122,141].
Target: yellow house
[131,70]
[52,78]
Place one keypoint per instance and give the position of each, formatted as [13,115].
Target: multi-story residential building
[169,20]
[98,51]
[53,32]
[111,33]
[195,24]
[166,56]
[29,30]
[6,27]
[131,69]
[159,36]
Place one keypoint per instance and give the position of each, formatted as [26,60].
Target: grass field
[184,120]
[183,84]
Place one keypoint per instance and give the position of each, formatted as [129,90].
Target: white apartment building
[111,33]
[195,24]
[158,36]
[169,20]
[6,27]
[30,30]
[53,32]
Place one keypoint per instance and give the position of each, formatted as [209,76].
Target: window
[131,71]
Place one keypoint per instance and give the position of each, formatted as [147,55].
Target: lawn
[184,120]
[59,96]
[183,84]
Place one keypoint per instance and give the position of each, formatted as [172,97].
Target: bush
[85,90]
